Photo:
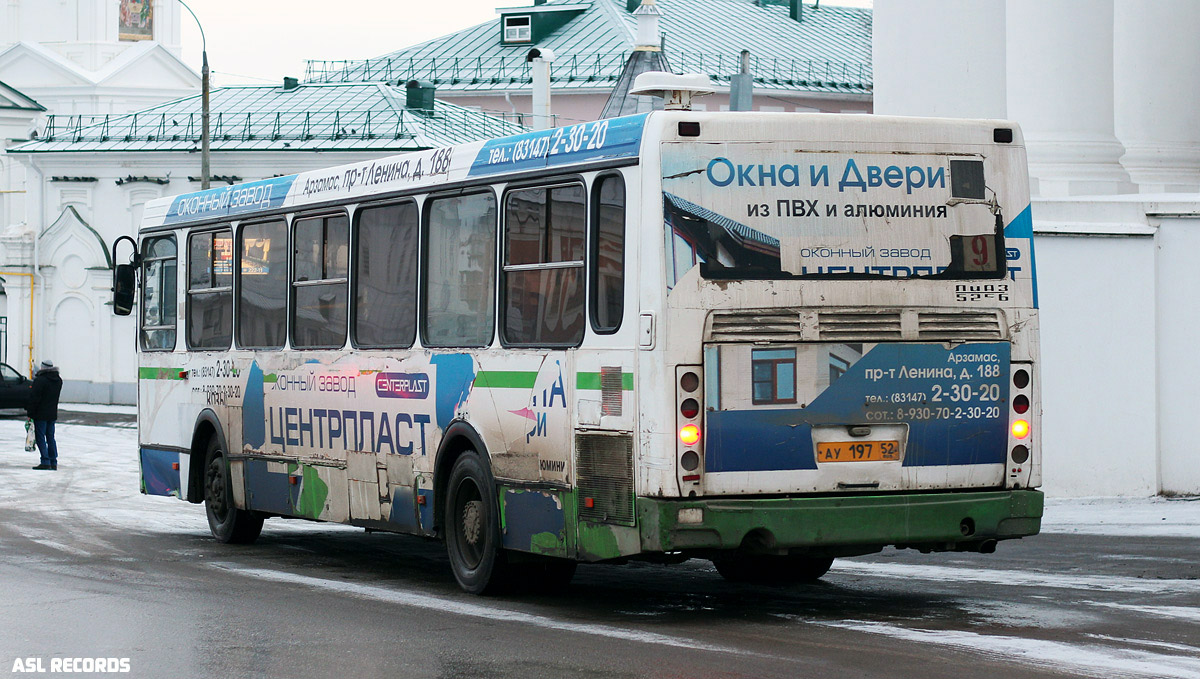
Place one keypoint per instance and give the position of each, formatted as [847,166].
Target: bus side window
[319,282]
[159,299]
[385,276]
[460,266]
[608,253]
[543,270]
[262,285]
[210,290]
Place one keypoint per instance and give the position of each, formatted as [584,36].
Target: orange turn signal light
[689,434]
[1020,429]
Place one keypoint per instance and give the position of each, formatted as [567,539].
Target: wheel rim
[471,517]
[214,490]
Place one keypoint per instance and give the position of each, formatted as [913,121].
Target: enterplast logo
[402,385]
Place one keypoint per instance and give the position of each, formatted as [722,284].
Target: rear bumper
[933,521]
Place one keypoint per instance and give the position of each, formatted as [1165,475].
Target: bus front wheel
[771,569]
[473,527]
[227,523]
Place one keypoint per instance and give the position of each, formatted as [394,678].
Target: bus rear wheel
[771,569]
[473,527]
[227,523]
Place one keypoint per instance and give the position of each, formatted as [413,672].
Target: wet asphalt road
[310,600]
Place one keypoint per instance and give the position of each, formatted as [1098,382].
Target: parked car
[14,390]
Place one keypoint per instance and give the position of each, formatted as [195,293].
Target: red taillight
[689,408]
[1021,404]
[1020,428]
[689,434]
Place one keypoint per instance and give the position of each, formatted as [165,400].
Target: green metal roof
[14,99]
[829,51]
[310,117]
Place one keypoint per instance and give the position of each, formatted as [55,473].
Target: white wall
[1098,364]
[1178,327]
[76,327]
[84,31]
[952,67]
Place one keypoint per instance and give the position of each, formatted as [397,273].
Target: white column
[1060,90]
[1156,65]
[939,58]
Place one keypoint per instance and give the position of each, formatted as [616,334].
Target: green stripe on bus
[592,381]
[506,379]
[524,379]
[158,374]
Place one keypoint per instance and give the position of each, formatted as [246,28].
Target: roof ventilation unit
[420,95]
[676,90]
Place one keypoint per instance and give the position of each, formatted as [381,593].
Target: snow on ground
[99,470]
[98,408]
[98,481]
[1124,517]
[1085,659]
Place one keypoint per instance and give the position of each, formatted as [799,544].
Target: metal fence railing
[454,71]
[281,125]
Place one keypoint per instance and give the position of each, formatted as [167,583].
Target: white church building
[68,58]
[96,126]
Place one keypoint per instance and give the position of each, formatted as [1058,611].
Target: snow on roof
[828,51]
[308,117]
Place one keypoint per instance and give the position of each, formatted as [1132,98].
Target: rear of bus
[847,337]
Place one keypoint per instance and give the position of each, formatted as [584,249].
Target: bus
[764,339]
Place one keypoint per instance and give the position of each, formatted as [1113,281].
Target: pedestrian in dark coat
[43,410]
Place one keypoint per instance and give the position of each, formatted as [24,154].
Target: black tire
[473,527]
[770,569]
[227,523]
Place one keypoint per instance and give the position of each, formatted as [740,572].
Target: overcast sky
[255,41]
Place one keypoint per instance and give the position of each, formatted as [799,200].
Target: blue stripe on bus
[598,140]
[764,439]
[159,477]
[227,201]
[268,491]
[1022,227]
[404,509]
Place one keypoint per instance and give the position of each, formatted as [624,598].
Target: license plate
[858,451]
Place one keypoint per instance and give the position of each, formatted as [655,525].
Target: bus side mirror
[124,289]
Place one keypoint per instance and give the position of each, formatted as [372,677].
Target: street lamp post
[204,170]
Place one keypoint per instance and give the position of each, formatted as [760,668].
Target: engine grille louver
[604,474]
[855,325]
[974,325]
[859,327]
[776,325]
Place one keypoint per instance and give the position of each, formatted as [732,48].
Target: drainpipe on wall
[37,239]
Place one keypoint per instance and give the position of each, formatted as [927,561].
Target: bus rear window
[770,211]
[726,249]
